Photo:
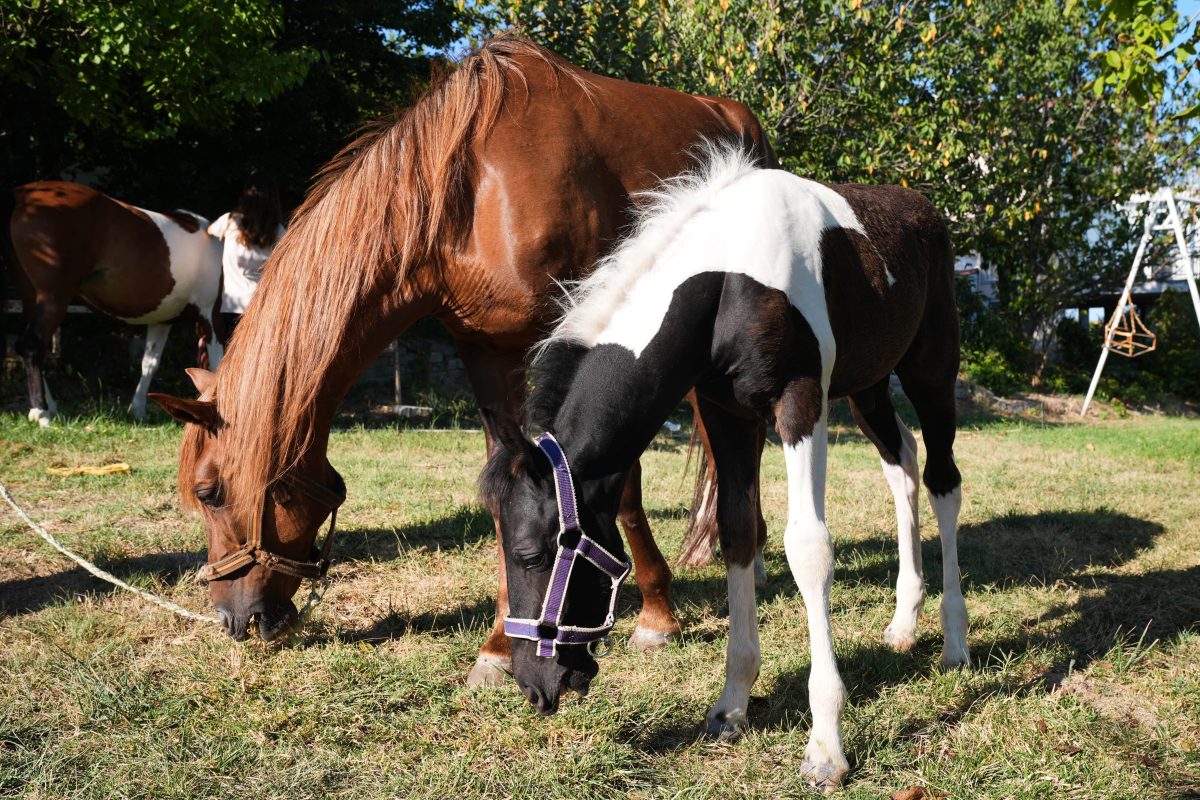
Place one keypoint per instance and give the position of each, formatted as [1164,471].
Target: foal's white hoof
[956,655]
[824,774]
[41,416]
[899,638]
[724,727]
[490,671]
[645,640]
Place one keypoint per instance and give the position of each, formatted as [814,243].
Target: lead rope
[105,576]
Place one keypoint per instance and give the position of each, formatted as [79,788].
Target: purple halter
[547,630]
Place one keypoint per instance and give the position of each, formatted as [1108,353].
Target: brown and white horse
[512,173]
[770,295]
[142,267]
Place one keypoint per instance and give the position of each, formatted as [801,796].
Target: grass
[1080,549]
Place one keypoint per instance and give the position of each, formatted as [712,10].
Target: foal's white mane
[662,212]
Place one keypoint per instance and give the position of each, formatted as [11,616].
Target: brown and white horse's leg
[735,451]
[897,448]
[933,400]
[47,315]
[802,420]
[156,340]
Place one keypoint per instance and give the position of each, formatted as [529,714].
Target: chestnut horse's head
[261,544]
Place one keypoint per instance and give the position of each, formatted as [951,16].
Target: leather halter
[253,552]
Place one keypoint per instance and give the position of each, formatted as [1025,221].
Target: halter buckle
[600,648]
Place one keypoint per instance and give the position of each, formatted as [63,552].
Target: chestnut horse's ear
[202,379]
[197,412]
[507,433]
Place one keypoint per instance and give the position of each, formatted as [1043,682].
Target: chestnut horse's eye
[209,495]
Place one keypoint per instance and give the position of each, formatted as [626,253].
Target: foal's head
[518,487]
[290,519]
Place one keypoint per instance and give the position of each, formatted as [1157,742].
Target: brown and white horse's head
[290,520]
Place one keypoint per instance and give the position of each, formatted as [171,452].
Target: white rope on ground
[99,573]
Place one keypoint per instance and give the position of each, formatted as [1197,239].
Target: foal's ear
[202,379]
[506,432]
[197,412]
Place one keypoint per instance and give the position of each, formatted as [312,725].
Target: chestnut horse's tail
[700,540]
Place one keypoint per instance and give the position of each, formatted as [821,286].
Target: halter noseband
[253,552]
[548,630]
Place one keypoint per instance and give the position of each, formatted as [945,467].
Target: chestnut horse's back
[557,172]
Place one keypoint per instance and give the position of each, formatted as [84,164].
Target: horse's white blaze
[195,263]
[156,339]
[954,609]
[810,556]
[733,218]
[743,654]
[904,480]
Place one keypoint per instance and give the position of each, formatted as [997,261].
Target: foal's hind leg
[802,420]
[898,454]
[933,399]
[734,450]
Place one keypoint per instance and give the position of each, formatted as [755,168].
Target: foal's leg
[156,340]
[898,455]
[734,448]
[933,400]
[802,420]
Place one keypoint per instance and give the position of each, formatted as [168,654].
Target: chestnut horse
[771,295]
[142,267]
[511,174]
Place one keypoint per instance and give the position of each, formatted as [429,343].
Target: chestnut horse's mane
[398,196]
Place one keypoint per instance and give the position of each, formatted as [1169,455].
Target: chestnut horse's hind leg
[156,340]
[897,448]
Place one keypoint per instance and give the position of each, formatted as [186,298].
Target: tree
[984,105]
[1147,48]
[138,69]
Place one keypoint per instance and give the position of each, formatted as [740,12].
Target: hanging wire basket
[1127,334]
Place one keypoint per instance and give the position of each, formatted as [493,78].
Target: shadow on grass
[474,616]
[1026,550]
[465,525]
[28,595]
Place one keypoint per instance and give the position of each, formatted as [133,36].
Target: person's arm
[219,227]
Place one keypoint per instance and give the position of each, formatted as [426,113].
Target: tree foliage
[171,104]
[984,105]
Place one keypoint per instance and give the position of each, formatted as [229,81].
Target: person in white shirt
[249,232]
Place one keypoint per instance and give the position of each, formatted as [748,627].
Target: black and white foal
[770,294]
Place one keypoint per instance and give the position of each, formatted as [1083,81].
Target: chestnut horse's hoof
[41,416]
[645,640]
[490,671]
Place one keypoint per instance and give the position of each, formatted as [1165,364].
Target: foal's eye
[209,495]
[537,560]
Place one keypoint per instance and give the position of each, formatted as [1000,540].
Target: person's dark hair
[258,211]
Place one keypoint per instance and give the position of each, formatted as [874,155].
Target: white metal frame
[1161,215]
